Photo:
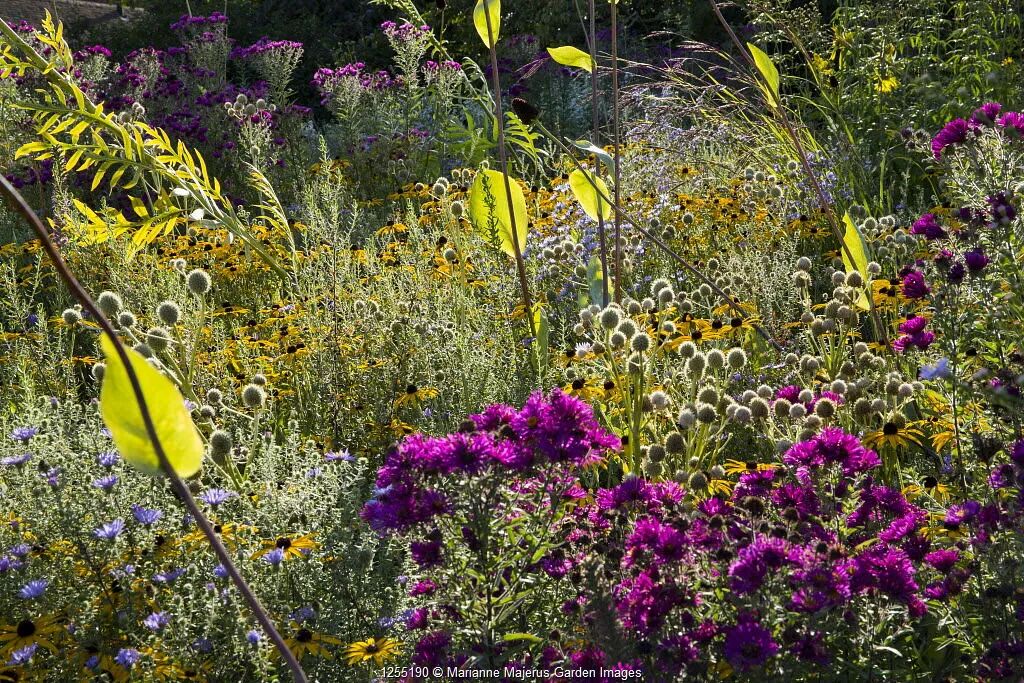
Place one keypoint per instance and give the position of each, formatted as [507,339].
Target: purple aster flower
[942,560]
[24,434]
[23,656]
[1012,122]
[342,455]
[754,562]
[749,645]
[304,614]
[16,460]
[274,557]
[156,621]
[976,260]
[21,549]
[127,657]
[203,645]
[914,286]
[928,225]
[110,531]
[145,516]
[108,459]
[953,133]
[986,114]
[33,589]
[426,553]
[220,571]
[10,564]
[215,497]
[106,483]
[253,637]
[52,476]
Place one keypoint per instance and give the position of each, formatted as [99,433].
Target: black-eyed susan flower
[302,640]
[42,631]
[741,467]
[377,650]
[414,395]
[893,435]
[290,546]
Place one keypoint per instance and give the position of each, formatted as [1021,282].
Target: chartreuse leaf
[855,245]
[174,427]
[572,56]
[489,209]
[605,157]
[769,73]
[582,184]
[483,10]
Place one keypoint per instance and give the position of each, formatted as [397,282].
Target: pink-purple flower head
[914,285]
[749,645]
[953,133]
[832,446]
[914,334]
[928,226]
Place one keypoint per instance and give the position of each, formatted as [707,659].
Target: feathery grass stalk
[503,160]
[179,486]
[805,165]
[620,213]
[616,172]
[602,238]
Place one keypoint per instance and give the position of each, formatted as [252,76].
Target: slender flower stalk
[615,144]
[503,160]
[620,213]
[179,486]
[602,238]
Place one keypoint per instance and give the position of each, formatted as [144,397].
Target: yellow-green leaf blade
[854,246]
[489,210]
[582,184]
[484,10]
[174,427]
[572,56]
[768,71]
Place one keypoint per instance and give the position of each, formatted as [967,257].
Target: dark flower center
[372,649]
[890,429]
[304,635]
[930,482]
[283,543]
[578,384]
[26,628]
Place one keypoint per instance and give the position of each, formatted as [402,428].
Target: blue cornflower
[16,460]
[145,516]
[33,589]
[52,476]
[254,637]
[156,621]
[23,656]
[168,577]
[203,645]
[938,371]
[274,557]
[108,458]
[10,564]
[106,483]
[340,455]
[21,550]
[92,662]
[304,614]
[24,434]
[215,497]
[220,572]
[110,531]
[127,657]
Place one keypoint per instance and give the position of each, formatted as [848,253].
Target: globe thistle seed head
[675,443]
[627,328]
[747,396]
[686,419]
[765,392]
[656,452]
[905,390]
[168,312]
[862,407]
[653,470]
[71,316]
[668,327]
[698,481]
[666,296]
[458,208]
[855,279]
[143,350]
[610,318]
[634,308]
[797,411]
[207,412]
[716,359]
[688,350]
[825,408]
[781,408]
[221,442]
[737,358]
[98,370]
[706,413]
[253,396]
[109,303]
[126,319]
[641,342]
[198,282]
[658,285]
[214,397]
[708,395]
[742,415]
[696,364]
[791,359]
[803,264]
[660,400]
[158,339]
[759,408]
[617,340]
[259,379]
[812,422]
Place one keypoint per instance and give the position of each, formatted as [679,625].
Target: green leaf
[857,248]
[595,281]
[605,157]
[489,208]
[510,637]
[769,73]
[572,56]
[174,427]
[483,10]
[582,184]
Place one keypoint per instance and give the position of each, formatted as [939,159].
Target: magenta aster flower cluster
[958,131]
[914,334]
